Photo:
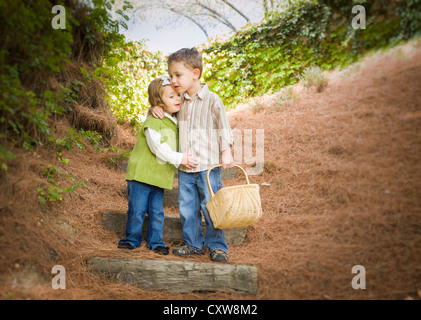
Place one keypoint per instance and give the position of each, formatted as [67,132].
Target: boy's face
[182,77]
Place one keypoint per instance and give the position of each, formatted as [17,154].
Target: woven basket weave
[234,207]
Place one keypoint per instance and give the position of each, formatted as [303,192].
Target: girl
[151,169]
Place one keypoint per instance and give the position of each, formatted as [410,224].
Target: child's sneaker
[162,250]
[187,250]
[125,246]
[218,256]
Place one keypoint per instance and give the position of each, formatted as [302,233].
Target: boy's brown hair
[190,57]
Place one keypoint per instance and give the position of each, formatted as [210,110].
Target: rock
[177,276]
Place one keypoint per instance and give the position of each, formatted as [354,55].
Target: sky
[166,40]
[171,38]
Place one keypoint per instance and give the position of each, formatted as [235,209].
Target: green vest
[143,165]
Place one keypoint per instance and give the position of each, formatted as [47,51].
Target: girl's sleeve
[163,151]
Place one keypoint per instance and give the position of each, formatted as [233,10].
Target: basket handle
[220,165]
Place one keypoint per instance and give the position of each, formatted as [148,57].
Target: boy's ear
[196,73]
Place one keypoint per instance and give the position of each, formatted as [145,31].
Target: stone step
[170,197]
[116,221]
[177,276]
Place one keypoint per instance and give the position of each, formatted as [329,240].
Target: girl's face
[171,100]
[182,77]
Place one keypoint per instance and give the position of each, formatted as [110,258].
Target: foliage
[54,192]
[126,73]
[5,156]
[410,22]
[117,155]
[24,45]
[36,84]
[262,58]
[33,51]
[75,138]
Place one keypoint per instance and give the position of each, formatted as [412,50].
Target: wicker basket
[234,207]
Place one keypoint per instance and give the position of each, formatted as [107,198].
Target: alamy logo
[59,21]
[248,148]
[358,22]
[358,282]
[59,281]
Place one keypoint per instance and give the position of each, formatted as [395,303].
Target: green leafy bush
[262,58]
[53,191]
[126,73]
[33,52]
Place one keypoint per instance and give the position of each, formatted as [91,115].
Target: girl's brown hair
[155,90]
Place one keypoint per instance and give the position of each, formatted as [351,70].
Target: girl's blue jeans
[192,198]
[144,198]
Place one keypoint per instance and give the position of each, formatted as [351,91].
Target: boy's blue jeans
[192,198]
[144,198]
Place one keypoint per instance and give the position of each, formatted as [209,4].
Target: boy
[204,132]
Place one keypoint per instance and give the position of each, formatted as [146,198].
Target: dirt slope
[341,187]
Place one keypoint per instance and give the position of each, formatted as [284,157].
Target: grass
[285,97]
[257,106]
[313,77]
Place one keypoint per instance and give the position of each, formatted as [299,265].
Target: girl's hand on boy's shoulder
[157,112]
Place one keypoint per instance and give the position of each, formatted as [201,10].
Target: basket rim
[236,186]
[220,165]
[240,185]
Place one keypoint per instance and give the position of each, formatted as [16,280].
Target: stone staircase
[116,222]
[175,276]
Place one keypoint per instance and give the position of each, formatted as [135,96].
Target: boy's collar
[201,94]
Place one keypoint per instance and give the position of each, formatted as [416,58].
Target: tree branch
[188,17]
[217,16]
[235,9]
[192,20]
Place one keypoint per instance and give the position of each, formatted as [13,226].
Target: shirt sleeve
[163,151]
[226,137]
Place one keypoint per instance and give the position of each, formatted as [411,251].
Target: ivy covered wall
[264,57]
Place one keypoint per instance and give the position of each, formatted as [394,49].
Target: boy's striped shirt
[204,128]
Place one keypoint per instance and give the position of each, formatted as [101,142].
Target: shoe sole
[177,253]
[125,248]
[219,260]
[162,253]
